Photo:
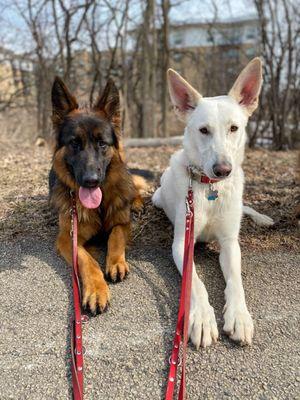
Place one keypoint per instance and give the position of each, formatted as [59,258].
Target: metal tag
[212,194]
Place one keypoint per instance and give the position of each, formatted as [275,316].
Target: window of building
[232,53]
[235,36]
[178,38]
[229,36]
[210,36]
[251,33]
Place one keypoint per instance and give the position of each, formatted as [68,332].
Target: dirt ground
[128,347]
[270,188]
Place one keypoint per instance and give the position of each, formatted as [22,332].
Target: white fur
[214,220]
[259,219]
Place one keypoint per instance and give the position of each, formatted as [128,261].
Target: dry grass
[270,188]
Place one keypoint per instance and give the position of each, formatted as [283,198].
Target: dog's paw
[238,324]
[117,271]
[96,293]
[203,329]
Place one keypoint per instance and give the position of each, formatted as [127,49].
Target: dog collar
[197,175]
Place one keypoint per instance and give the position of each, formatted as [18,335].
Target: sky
[12,27]
[203,10]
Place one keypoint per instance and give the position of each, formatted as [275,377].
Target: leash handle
[76,329]
[181,333]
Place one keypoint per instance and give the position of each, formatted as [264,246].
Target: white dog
[213,145]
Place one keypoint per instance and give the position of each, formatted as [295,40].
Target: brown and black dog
[88,160]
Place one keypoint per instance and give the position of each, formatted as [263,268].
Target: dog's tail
[259,219]
[139,177]
[156,198]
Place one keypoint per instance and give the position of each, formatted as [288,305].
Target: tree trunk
[148,95]
[165,65]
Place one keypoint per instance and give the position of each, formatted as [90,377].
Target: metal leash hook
[171,361]
[190,171]
[187,207]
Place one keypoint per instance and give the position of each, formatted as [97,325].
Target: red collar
[197,175]
[206,179]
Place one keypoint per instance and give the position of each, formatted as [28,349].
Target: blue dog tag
[212,194]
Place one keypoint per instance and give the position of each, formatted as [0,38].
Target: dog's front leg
[95,289]
[238,322]
[116,265]
[203,329]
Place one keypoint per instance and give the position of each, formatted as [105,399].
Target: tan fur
[142,188]
[120,190]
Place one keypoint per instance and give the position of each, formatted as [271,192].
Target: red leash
[181,334]
[76,332]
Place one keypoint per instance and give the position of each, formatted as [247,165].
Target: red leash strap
[181,334]
[76,330]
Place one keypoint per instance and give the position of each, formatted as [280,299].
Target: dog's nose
[90,180]
[222,170]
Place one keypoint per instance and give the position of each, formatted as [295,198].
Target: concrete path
[128,347]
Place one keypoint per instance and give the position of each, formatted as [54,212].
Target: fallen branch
[153,142]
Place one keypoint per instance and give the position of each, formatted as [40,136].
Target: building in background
[211,53]
[16,78]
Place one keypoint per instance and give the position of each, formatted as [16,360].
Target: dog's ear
[247,87]
[183,96]
[63,101]
[109,102]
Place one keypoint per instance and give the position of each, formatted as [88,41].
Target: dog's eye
[233,128]
[204,131]
[102,144]
[75,143]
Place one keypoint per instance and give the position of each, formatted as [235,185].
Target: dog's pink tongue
[90,198]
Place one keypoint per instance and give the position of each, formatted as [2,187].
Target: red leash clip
[78,319]
[181,333]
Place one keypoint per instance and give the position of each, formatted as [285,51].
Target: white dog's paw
[203,329]
[238,324]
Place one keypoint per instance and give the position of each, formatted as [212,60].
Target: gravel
[127,348]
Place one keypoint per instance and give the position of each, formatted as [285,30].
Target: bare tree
[165,61]
[279,25]
[32,14]
[148,70]
[86,41]
[68,22]
[45,20]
